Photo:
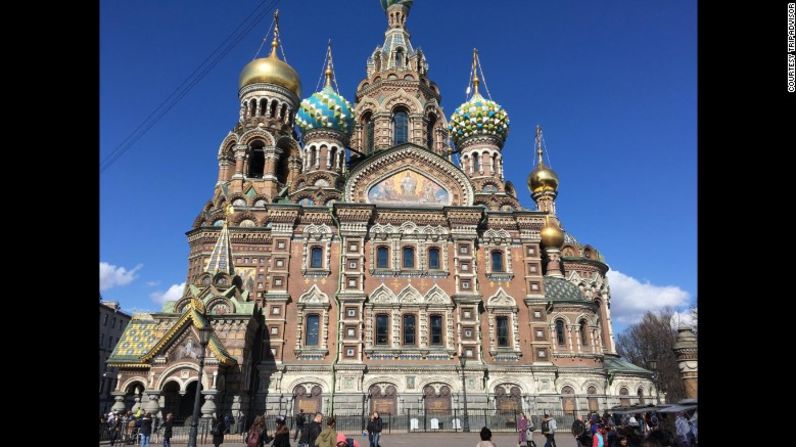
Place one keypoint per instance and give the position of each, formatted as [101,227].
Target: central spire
[275,41]
[539,150]
[475,72]
[329,70]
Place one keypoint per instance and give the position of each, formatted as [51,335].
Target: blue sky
[612,83]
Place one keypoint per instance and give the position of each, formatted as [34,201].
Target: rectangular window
[409,329]
[352,283]
[468,352]
[316,260]
[280,244]
[280,263]
[350,332]
[502,331]
[382,258]
[382,322]
[541,354]
[531,250]
[537,314]
[113,323]
[468,314]
[312,330]
[353,247]
[436,330]
[274,330]
[105,321]
[276,310]
[409,257]
[464,249]
[465,266]
[433,258]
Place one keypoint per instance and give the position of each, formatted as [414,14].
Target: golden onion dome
[271,70]
[542,179]
[552,235]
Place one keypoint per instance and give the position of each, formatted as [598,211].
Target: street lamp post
[466,429]
[653,365]
[204,338]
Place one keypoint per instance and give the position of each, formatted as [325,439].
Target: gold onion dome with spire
[552,235]
[541,178]
[271,70]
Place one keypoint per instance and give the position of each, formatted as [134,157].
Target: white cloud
[152,283]
[173,294]
[682,319]
[112,276]
[631,299]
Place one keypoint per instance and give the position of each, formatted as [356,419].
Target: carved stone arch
[365,106]
[409,228]
[141,380]
[402,98]
[168,373]
[257,133]
[436,295]
[220,306]
[501,299]
[409,295]
[227,147]
[258,201]
[591,384]
[317,232]
[237,218]
[314,296]
[238,196]
[382,295]
[560,316]
[292,146]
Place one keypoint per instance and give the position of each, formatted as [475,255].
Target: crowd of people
[644,429]
[647,429]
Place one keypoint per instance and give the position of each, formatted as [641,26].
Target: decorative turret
[552,240]
[326,119]
[543,181]
[221,257]
[686,350]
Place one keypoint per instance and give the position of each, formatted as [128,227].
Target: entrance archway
[130,392]
[437,404]
[568,397]
[307,400]
[382,399]
[184,407]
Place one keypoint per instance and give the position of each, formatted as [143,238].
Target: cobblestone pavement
[563,439]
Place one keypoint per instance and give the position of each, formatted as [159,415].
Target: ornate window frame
[313,301]
[314,236]
[498,240]
[503,305]
[408,234]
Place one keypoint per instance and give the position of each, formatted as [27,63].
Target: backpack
[253,440]
[350,442]
[546,426]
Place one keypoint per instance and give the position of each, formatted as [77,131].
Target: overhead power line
[263,9]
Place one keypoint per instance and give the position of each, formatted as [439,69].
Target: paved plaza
[563,439]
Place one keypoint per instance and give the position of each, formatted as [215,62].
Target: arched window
[476,163]
[382,326]
[382,258]
[641,396]
[283,112]
[623,399]
[433,258]
[399,58]
[593,406]
[332,154]
[584,339]
[436,330]
[494,164]
[257,160]
[409,257]
[313,157]
[400,122]
[568,400]
[252,108]
[316,258]
[368,124]
[273,110]
[313,322]
[502,331]
[409,329]
[560,332]
[497,261]
[432,121]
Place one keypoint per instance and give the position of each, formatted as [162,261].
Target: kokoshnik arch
[363,259]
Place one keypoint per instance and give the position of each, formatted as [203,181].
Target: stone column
[118,396]
[137,397]
[685,348]
[151,405]
[209,407]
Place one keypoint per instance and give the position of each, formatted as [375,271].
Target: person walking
[310,434]
[146,429]
[599,436]
[282,433]
[522,428]
[327,438]
[300,421]
[114,426]
[167,427]
[257,434]
[486,438]
[219,427]
[549,430]
[374,429]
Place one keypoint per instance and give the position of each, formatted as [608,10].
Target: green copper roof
[558,289]
[619,364]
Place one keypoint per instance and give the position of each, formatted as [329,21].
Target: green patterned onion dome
[326,109]
[478,116]
[387,3]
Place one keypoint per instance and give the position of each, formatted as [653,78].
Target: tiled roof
[619,364]
[558,289]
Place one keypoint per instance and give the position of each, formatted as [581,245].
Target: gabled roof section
[621,365]
[140,335]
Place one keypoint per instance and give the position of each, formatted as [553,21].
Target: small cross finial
[329,73]
[475,71]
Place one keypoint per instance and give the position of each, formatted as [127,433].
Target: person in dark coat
[282,434]
[374,429]
[301,420]
[311,432]
[219,427]
[167,429]
[146,429]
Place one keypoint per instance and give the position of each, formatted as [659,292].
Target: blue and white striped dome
[326,110]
